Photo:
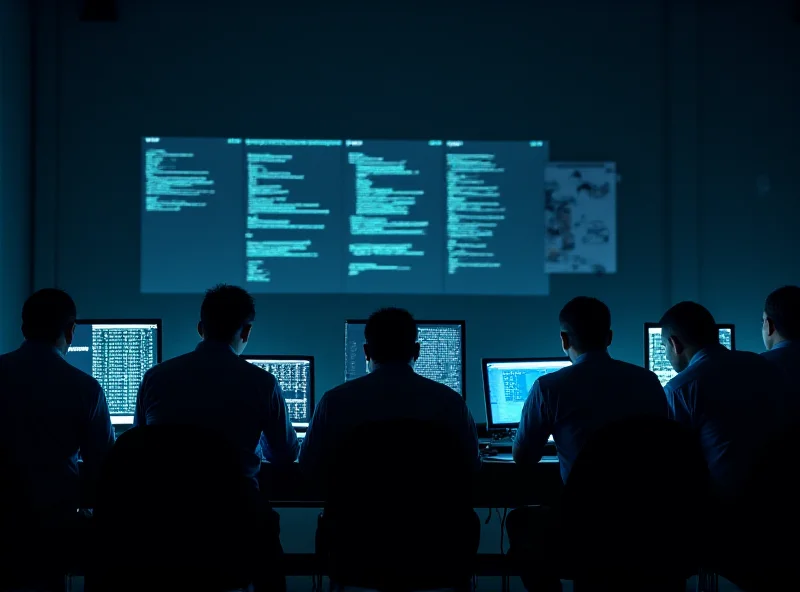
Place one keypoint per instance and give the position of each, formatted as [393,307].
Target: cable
[503,531]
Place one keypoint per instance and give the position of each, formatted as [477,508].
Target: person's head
[781,318]
[391,338]
[227,315]
[585,326]
[687,328]
[48,316]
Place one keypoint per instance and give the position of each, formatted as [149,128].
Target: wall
[693,103]
[749,196]
[287,70]
[15,167]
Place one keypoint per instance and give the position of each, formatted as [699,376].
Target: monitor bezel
[646,342]
[461,323]
[490,425]
[311,373]
[156,322]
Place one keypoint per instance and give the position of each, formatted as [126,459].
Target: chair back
[393,481]
[635,498]
[753,530]
[175,508]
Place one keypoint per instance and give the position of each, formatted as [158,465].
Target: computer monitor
[442,357]
[506,384]
[295,375]
[655,356]
[117,353]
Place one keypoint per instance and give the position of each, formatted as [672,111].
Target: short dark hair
[587,322]
[225,310]
[47,315]
[391,334]
[692,323]
[783,308]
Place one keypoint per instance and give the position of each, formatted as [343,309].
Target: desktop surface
[442,352]
[295,375]
[117,353]
[655,356]
[507,383]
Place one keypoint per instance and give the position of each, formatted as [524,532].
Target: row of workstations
[118,353]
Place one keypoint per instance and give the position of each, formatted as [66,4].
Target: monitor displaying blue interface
[442,352]
[117,353]
[655,356]
[354,216]
[507,383]
[295,375]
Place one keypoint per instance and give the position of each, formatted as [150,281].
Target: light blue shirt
[735,401]
[786,355]
[390,392]
[214,388]
[49,411]
[576,401]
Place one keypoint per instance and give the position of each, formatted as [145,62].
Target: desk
[497,485]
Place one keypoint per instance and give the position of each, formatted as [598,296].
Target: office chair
[753,544]
[174,511]
[396,519]
[633,506]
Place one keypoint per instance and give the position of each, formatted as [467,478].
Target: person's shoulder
[752,359]
[77,379]
[636,372]
[355,385]
[554,379]
[254,373]
[436,389]
[167,367]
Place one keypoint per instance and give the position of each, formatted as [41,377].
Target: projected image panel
[294,212]
[656,356]
[192,233]
[394,193]
[342,216]
[495,196]
[441,355]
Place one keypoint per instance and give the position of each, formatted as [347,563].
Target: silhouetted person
[50,410]
[391,390]
[781,332]
[734,400]
[572,404]
[212,387]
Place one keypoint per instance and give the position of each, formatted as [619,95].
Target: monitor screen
[117,353]
[442,352]
[655,356]
[507,382]
[356,216]
[295,375]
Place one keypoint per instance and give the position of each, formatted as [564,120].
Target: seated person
[212,387]
[391,391]
[49,411]
[734,400]
[596,390]
[572,404]
[781,331]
